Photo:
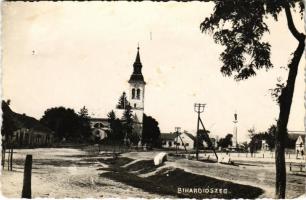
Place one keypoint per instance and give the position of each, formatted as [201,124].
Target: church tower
[136,94]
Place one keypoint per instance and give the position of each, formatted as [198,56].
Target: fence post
[8,159]
[26,189]
[3,157]
[11,159]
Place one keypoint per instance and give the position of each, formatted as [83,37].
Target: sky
[81,53]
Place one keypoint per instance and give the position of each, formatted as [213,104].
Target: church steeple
[137,75]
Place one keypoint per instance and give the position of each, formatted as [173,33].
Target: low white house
[168,140]
[171,140]
[185,139]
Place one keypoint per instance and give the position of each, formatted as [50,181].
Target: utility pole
[177,130]
[198,108]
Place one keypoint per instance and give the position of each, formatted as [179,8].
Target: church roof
[137,75]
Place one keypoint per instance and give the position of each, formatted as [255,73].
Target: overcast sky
[81,53]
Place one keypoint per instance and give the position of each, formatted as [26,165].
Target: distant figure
[302,153]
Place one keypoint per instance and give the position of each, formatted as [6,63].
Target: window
[133,93]
[186,144]
[170,143]
[134,105]
[138,93]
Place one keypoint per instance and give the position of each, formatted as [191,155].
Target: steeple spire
[137,75]
[137,56]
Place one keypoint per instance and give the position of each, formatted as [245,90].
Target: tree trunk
[285,101]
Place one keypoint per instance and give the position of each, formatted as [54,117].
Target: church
[136,95]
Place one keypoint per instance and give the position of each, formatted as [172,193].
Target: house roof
[18,121]
[168,136]
[191,136]
[302,138]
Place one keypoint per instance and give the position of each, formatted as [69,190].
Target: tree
[128,124]
[151,131]
[84,122]
[257,138]
[116,133]
[226,141]
[83,112]
[65,123]
[239,26]
[123,102]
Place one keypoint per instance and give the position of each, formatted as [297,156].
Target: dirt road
[64,172]
[72,173]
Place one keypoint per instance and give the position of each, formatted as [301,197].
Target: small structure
[264,146]
[298,137]
[300,144]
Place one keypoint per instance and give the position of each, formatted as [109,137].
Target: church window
[133,93]
[138,93]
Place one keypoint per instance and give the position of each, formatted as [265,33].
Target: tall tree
[128,124]
[84,122]
[116,133]
[123,102]
[239,26]
[151,131]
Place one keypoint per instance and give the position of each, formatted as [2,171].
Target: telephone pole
[198,108]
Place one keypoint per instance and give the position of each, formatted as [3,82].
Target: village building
[185,139]
[25,131]
[167,140]
[298,137]
[170,140]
